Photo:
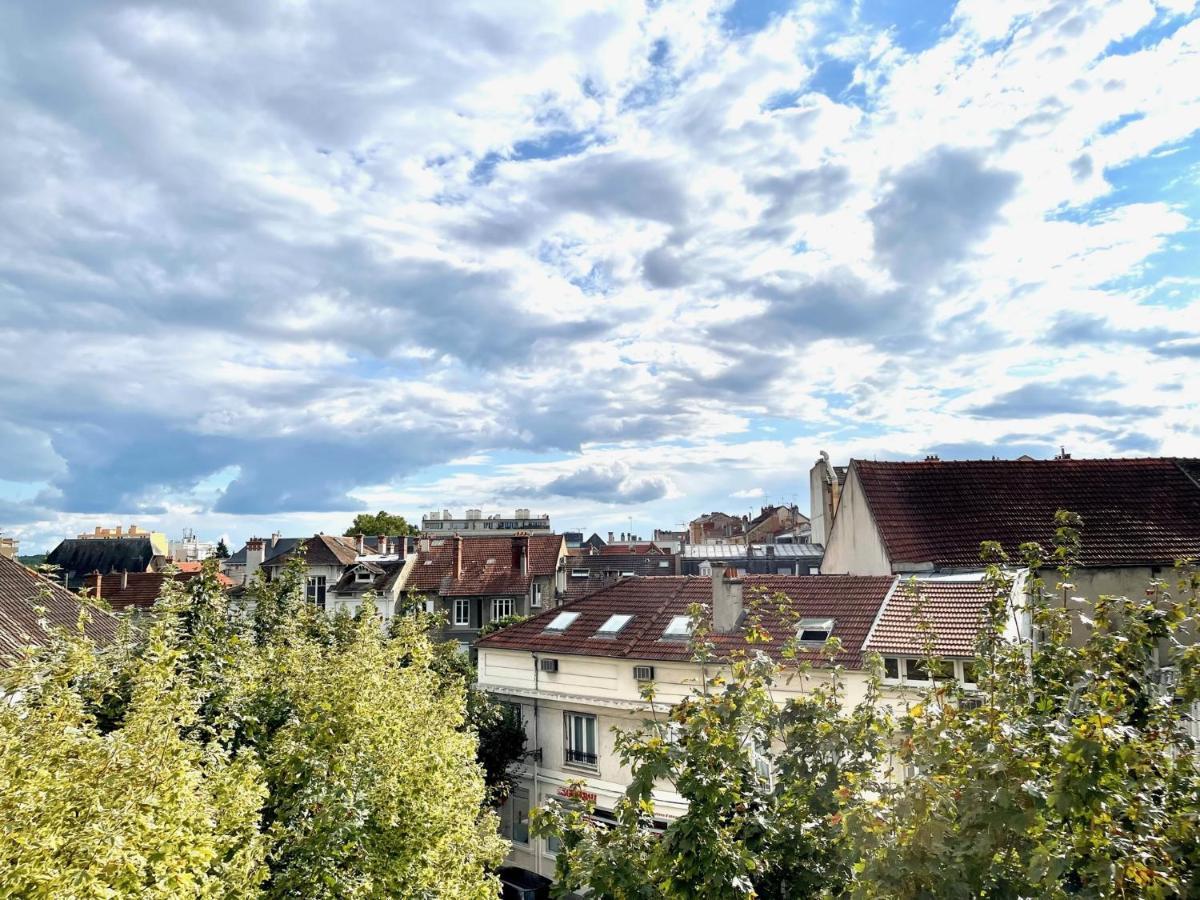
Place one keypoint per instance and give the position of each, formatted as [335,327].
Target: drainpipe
[535,797]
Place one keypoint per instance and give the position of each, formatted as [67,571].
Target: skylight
[614,624]
[815,631]
[562,621]
[678,627]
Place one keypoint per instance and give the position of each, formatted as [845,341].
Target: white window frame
[614,624]
[362,575]
[316,590]
[462,604]
[957,672]
[587,756]
[673,629]
[502,606]
[825,624]
[535,595]
[580,573]
[561,622]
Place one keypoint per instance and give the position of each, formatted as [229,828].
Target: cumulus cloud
[259,268]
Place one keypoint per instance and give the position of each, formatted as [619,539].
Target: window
[535,595]
[627,574]
[613,625]
[462,613]
[362,575]
[553,844]
[579,739]
[514,817]
[678,627]
[562,621]
[501,607]
[891,668]
[316,590]
[915,670]
[815,631]
[579,573]
[970,671]
[783,570]
[664,564]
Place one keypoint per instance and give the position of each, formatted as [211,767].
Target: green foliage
[222,551]
[503,622]
[1068,772]
[212,754]
[379,523]
[33,561]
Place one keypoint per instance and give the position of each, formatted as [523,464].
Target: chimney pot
[124,579]
[382,548]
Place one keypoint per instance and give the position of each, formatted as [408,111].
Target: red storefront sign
[577,793]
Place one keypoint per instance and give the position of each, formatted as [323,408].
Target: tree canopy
[379,523]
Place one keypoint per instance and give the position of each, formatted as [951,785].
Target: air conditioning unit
[549,665]
[643,673]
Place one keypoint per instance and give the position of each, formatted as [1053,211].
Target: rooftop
[22,589]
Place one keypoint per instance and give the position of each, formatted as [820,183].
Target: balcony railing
[580,757]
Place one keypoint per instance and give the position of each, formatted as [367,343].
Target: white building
[475,524]
[190,549]
[575,672]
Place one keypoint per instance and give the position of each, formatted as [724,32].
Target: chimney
[8,548]
[402,548]
[458,539]
[255,554]
[726,600]
[124,579]
[610,537]
[362,545]
[521,555]
[382,544]
[96,583]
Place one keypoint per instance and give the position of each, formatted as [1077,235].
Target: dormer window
[562,622]
[815,631]
[613,625]
[362,575]
[678,628]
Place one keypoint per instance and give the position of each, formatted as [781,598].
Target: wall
[854,546]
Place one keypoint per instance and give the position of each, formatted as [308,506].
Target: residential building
[124,591]
[381,571]
[242,566]
[326,559]
[576,672]
[772,522]
[475,524]
[825,482]
[756,559]
[670,540]
[474,581]
[29,603]
[108,550]
[600,566]
[1139,516]
[190,549]
[716,528]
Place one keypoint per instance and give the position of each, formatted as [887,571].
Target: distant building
[597,567]
[776,524]
[670,540]
[756,559]
[29,603]
[474,524]
[190,549]
[716,528]
[109,550]
[825,482]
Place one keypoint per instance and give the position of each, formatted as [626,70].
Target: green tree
[379,523]
[222,551]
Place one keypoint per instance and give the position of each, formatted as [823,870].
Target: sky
[265,265]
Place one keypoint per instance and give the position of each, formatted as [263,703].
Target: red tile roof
[489,565]
[140,589]
[943,615]
[20,590]
[321,550]
[1135,511]
[852,601]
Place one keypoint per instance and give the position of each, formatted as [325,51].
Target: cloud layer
[264,264]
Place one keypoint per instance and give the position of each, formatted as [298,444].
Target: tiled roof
[604,569]
[19,625]
[942,614]
[140,589]
[282,545]
[643,548]
[320,550]
[852,601]
[384,575]
[1135,511]
[79,557]
[487,565]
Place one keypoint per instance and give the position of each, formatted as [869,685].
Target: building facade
[755,559]
[475,524]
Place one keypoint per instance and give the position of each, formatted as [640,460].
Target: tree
[1071,771]
[222,551]
[379,523]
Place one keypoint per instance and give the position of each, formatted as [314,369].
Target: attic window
[815,631]
[562,621]
[362,575]
[678,627]
[579,573]
[613,625]
[491,561]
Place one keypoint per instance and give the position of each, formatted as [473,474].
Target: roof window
[678,627]
[815,631]
[562,621]
[613,625]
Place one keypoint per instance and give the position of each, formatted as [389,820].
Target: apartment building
[575,672]
[475,524]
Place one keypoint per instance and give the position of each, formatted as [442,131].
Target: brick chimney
[97,581]
[402,548]
[8,548]
[382,544]
[458,539]
[726,600]
[521,555]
